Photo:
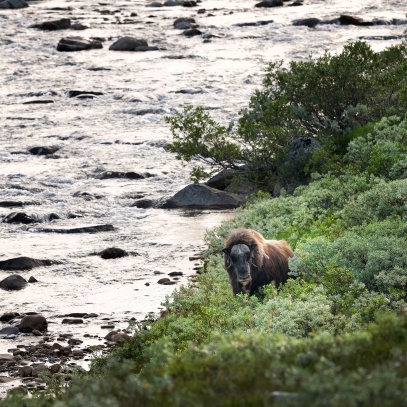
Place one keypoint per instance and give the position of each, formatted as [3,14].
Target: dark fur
[266,261]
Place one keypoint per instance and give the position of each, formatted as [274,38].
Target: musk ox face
[238,260]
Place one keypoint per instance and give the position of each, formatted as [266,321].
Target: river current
[123,129]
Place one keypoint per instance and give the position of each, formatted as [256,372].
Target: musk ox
[252,262]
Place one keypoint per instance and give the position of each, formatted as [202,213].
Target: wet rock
[346,19]
[24,263]
[145,203]
[8,316]
[202,197]
[25,371]
[9,330]
[32,280]
[79,27]
[254,23]
[11,204]
[113,253]
[18,217]
[13,282]
[129,44]
[78,315]
[189,4]
[308,22]
[71,44]
[184,23]
[75,93]
[192,32]
[38,102]
[53,216]
[31,322]
[84,229]
[172,3]
[43,150]
[122,174]
[72,321]
[176,273]
[86,195]
[62,24]
[269,3]
[164,280]
[155,4]
[11,4]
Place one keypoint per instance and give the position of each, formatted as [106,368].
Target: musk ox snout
[239,258]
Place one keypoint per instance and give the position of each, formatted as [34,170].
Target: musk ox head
[238,261]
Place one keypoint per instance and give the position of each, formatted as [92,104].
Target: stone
[345,19]
[24,263]
[269,3]
[40,369]
[11,4]
[9,330]
[25,371]
[176,273]
[13,282]
[192,32]
[189,3]
[55,368]
[254,23]
[172,3]
[6,357]
[32,280]
[32,322]
[43,150]
[308,22]
[199,196]
[122,174]
[120,337]
[72,44]
[62,24]
[8,316]
[36,332]
[84,229]
[18,217]
[163,280]
[184,23]
[76,93]
[113,253]
[128,44]
[72,321]
[221,180]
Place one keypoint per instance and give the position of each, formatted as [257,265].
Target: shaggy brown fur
[252,262]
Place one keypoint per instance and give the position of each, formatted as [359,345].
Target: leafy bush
[332,98]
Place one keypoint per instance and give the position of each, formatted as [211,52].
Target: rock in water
[202,197]
[23,263]
[13,4]
[13,282]
[269,3]
[18,217]
[31,322]
[70,44]
[128,44]
[113,253]
[61,24]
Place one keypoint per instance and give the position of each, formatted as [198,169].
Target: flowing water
[124,130]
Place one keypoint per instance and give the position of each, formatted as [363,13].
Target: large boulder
[113,253]
[31,322]
[71,44]
[199,196]
[9,4]
[13,282]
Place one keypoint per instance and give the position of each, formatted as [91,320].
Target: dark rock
[183,23]
[62,24]
[77,314]
[40,369]
[128,44]
[8,316]
[269,3]
[202,197]
[25,371]
[38,102]
[113,253]
[43,150]
[32,280]
[172,3]
[86,195]
[53,216]
[36,332]
[9,330]
[221,180]
[175,273]
[192,32]
[79,27]
[308,22]
[145,203]
[13,282]
[11,4]
[10,204]
[120,174]
[84,229]
[254,23]
[163,280]
[189,4]
[24,263]
[31,322]
[18,217]
[345,19]
[120,337]
[55,368]
[75,93]
[72,321]
[6,357]
[71,44]
[155,4]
